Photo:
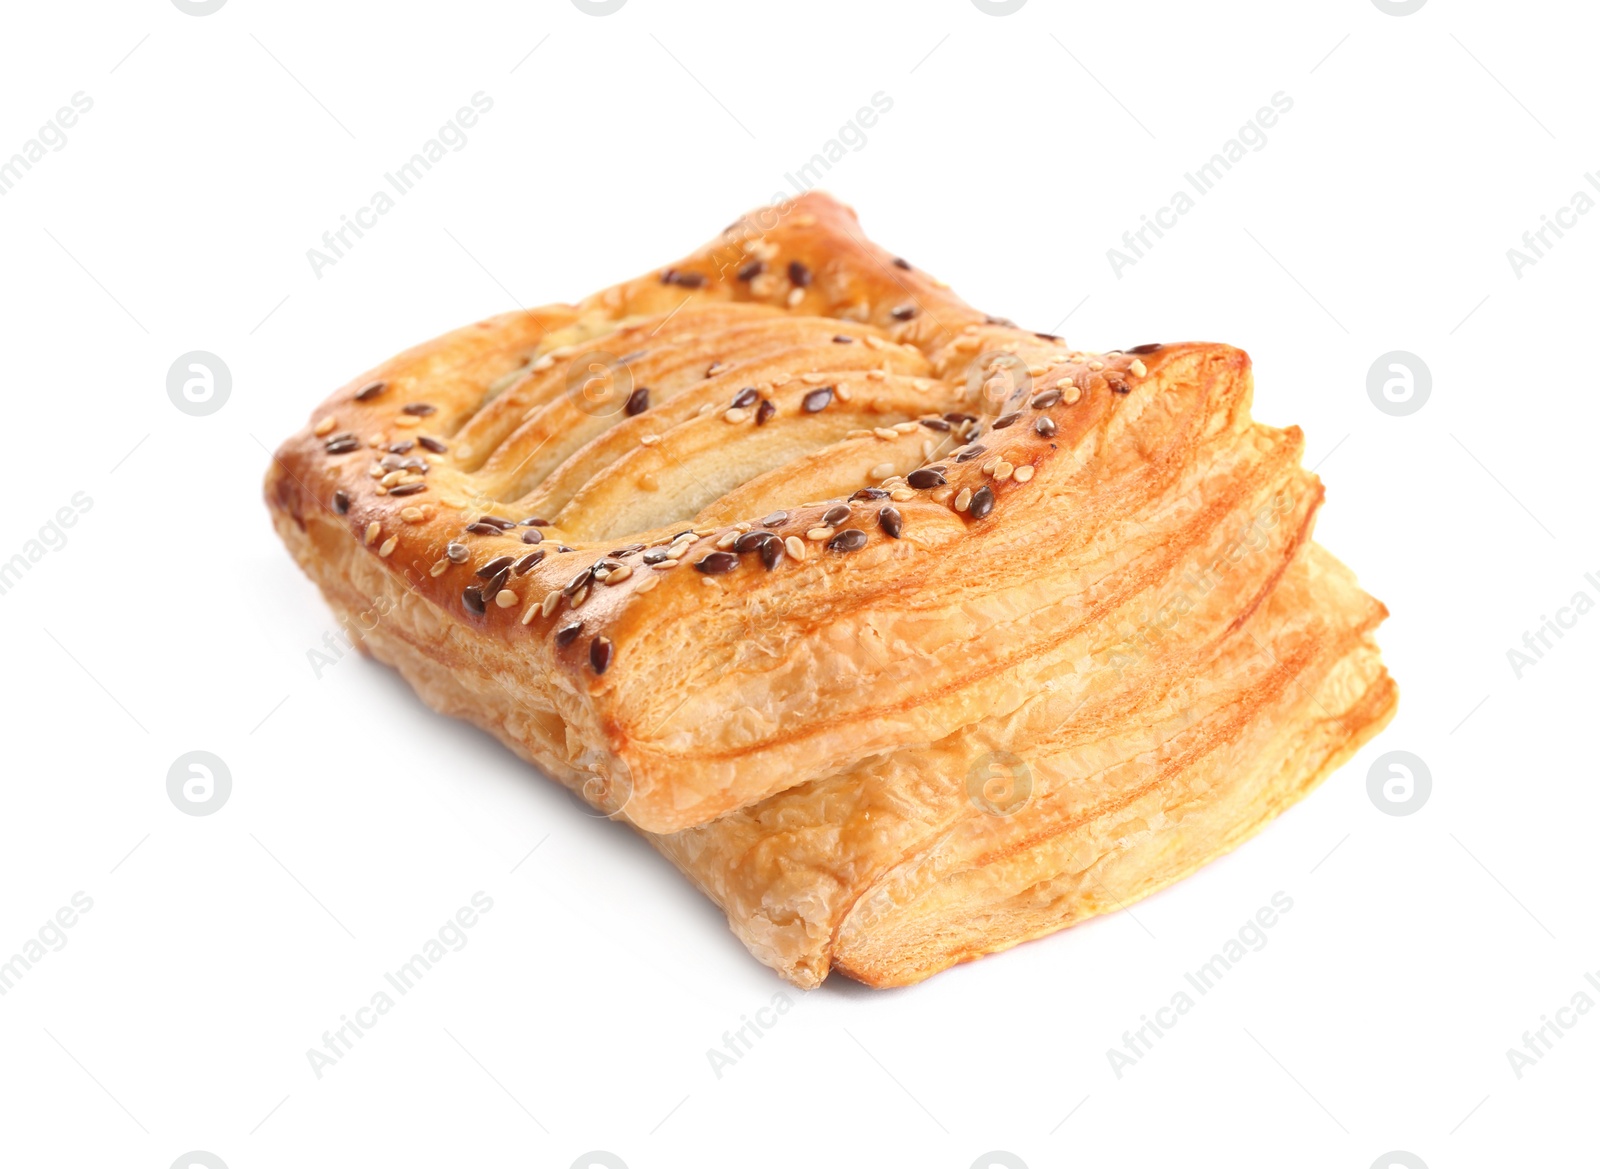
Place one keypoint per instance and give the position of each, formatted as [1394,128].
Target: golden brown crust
[561,523]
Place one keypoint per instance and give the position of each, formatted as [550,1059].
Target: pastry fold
[907,634]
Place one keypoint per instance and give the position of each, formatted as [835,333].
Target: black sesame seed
[751,270]
[567,634]
[717,563]
[522,566]
[750,541]
[564,548]
[400,448]
[969,454]
[841,339]
[1049,337]
[457,553]
[626,550]
[1118,384]
[481,529]
[682,279]
[638,401]
[408,489]
[904,313]
[1006,420]
[533,536]
[899,263]
[391,462]
[491,567]
[600,653]
[891,521]
[924,478]
[774,520]
[869,493]
[431,444]
[836,515]
[764,411]
[578,581]
[848,540]
[771,550]
[745,398]
[655,556]
[1046,427]
[817,400]
[420,409]
[370,391]
[982,502]
[1045,400]
[495,583]
[341,446]
[472,597]
[799,274]
[535,522]
[938,424]
[1138,349]
[955,419]
[341,502]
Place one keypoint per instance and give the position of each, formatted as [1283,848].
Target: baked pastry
[755,550]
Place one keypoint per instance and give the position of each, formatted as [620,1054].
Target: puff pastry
[793,560]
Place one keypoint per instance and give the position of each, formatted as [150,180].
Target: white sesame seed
[578,597]
[881,471]
[905,427]
[1023,474]
[704,531]
[901,494]
[990,464]
[1070,394]
[326,425]
[411,514]
[388,545]
[795,547]
[505,598]
[1003,471]
[372,531]
[407,420]
[543,363]
[725,541]
[1097,365]
[885,433]
[1137,368]
[438,568]
[964,499]
[735,414]
[619,574]
[821,533]
[533,611]
[796,295]
[877,375]
[649,439]
[842,392]
[551,600]
[392,478]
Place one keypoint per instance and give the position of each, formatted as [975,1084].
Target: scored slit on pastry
[755,550]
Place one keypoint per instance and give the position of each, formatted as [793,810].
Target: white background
[1018,150]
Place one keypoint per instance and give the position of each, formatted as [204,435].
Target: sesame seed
[325,426]
[988,467]
[836,515]
[1003,471]
[600,653]
[418,409]
[1136,368]
[649,439]
[1006,420]
[904,313]
[891,521]
[735,415]
[522,566]
[341,446]
[1150,348]
[505,598]
[796,295]
[817,400]
[638,401]
[568,633]
[551,600]
[578,597]
[341,502]
[795,547]
[491,567]
[751,270]
[472,598]
[925,477]
[438,568]
[408,488]
[373,529]
[370,391]
[1023,474]
[702,531]
[727,540]
[749,541]
[771,551]
[885,433]
[775,519]
[1047,399]
[799,273]
[848,540]
[881,471]
[819,533]
[899,263]
[963,499]
[411,514]
[717,563]
[982,502]
[902,494]
[683,279]
[745,397]
[841,339]
[938,424]
[764,411]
